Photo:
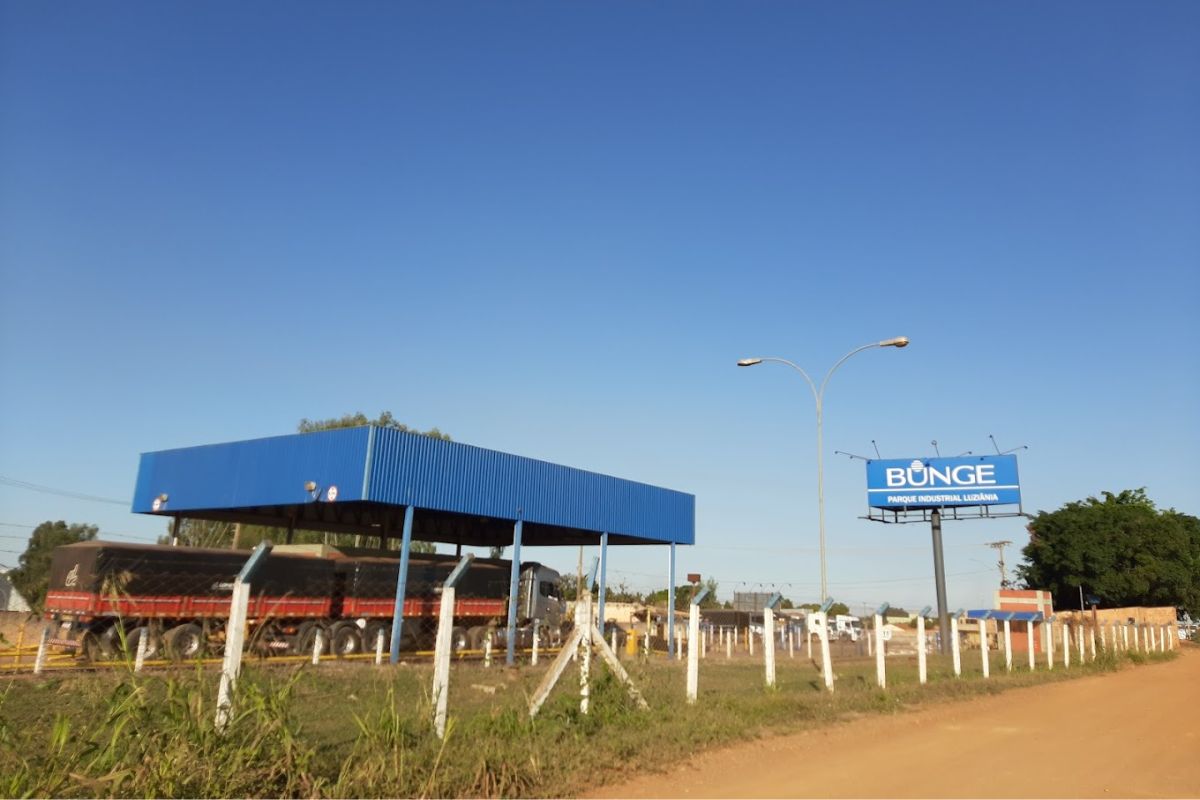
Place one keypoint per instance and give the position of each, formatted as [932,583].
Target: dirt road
[1134,733]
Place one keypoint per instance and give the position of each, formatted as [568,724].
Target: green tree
[834,610]
[358,419]
[1120,548]
[683,596]
[32,576]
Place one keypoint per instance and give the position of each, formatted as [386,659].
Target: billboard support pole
[939,576]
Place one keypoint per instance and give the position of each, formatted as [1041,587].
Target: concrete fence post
[954,646]
[826,661]
[693,659]
[379,647]
[921,671]
[487,651]
[39,663]
[1066,643]
[769,645]
[1030,644]
[139,660]
[537,641]
[880,666]
[1125,638]
[1092,640]
[1008,646]
[983,648]
[1048,627]
[318,642]
[441,660]
[1079,640]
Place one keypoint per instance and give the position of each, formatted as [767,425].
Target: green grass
[357,730]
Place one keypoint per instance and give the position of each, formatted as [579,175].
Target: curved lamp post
[818,395]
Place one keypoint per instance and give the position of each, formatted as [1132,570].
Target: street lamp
[818,395]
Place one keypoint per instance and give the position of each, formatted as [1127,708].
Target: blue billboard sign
[941,482]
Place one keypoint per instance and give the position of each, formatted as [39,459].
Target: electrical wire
[35,487]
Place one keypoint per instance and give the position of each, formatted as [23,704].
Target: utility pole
[999,547]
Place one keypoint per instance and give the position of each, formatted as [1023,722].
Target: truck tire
[154,644]
[458,639]
[184,642]
[476,635]
[306,637]
[345,639]
[370,635]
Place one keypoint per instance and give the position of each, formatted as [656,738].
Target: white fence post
[1066,642]
[1007,646]
[954,646]
[537,640]
[1079,640]
[379,647]
[487,651]
[1030,644]
[1103,639]
[1125,638]
[1136,644]
[750,639]
[921,672]
[983,648]
[693,662]
[441,660]
[235,632]
[826,662]
[1092,640]
[880,667]
[317,644]
[139,660]
[585,656]
[39,663]
[769,645]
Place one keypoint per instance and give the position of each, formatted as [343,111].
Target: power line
[35,487]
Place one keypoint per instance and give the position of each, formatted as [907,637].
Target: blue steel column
[671,607]
[401,584]
[514,583]
[603,578]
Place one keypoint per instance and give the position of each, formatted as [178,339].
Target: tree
[32,577]
[358,419]
[683,596]
[834,610]
[1120,548]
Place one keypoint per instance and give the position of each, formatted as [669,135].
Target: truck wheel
[370,635]
[306,637]
[154,643]
[345,639]
[476,635]
[93,648]
[458,639]
[185,641]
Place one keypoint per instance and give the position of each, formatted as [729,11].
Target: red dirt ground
[1134,733]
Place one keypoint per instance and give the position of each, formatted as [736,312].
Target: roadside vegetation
[357,731]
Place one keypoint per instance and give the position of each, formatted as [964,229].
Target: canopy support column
[671,605]
[514,586]
[401,585]
[603,579]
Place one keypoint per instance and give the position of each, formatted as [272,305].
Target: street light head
[749,362]
[899,341]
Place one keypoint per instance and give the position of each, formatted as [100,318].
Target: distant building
[10,598]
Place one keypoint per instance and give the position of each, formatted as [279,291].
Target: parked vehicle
[107,595]
[845,626]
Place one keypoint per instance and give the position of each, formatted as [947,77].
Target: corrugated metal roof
[379,468]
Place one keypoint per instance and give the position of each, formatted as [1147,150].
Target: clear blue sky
[552,229]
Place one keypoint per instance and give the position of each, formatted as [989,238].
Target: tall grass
[350,731]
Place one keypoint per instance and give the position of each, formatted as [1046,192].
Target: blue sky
[552,229]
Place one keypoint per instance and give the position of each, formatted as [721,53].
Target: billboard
[940,482]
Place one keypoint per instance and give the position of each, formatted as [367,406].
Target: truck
[845,626]
[105,596]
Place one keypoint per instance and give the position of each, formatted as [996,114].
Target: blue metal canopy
[359,480]
[1013,616]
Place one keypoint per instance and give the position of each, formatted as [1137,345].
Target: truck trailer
[105,596]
